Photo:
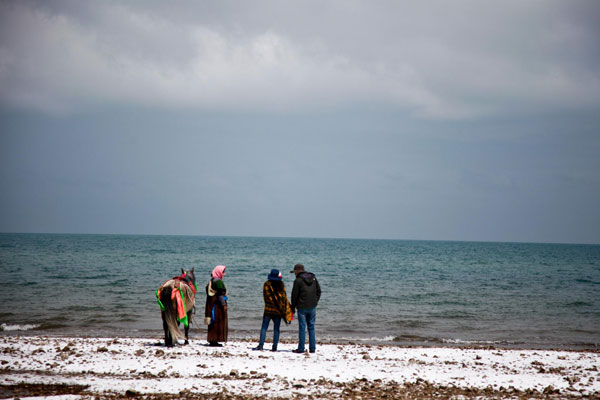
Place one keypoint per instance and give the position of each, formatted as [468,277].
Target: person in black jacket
[305,297]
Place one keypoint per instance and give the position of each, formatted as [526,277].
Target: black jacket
[306,291]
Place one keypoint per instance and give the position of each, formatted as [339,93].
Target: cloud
[455,60]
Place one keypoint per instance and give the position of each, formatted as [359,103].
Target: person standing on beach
[277,307]
[305,297]
[215,311]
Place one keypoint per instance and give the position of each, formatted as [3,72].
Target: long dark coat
[218,329]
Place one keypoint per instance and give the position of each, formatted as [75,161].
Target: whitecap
[16,327]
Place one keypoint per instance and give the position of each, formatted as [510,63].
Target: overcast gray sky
[443,120]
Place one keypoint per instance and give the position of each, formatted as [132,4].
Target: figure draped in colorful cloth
[177,298]
[215,312]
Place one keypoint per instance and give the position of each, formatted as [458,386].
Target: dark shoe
[275,349]
[298,351]
[258,348]
[215,344]
[312,351]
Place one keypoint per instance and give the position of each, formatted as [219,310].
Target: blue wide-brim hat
[275,275]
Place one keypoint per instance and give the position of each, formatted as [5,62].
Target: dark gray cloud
[439,60]
[463,120]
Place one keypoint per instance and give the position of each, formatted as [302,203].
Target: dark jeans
[265,326]
[307,317]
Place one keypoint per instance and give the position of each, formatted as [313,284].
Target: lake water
[384,291]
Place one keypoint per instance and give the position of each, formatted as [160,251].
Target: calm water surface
[404,292]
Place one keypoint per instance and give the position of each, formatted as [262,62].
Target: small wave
[96,277]
[60,277]
[366,339]
[477,342]
[375,340]
[354,338]
[452,315]
[412,323]
[584,280]
[16,327]
[588,331]
[579,304]
[415,338]
[51,326]
[383,339]
[161,251]
[26,283]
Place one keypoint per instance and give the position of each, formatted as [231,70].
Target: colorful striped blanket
[184,295]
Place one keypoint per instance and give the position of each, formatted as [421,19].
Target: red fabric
[180,308]
[193,287]
[190,284]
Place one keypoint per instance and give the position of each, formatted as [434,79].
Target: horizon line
[298,237]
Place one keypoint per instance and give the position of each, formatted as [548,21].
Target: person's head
[298,268]
[219,272]
[275,275]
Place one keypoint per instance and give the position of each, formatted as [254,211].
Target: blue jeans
[265,326]
[307,316]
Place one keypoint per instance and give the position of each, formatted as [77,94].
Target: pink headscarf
[219,272]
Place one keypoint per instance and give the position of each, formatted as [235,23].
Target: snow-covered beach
[75,367]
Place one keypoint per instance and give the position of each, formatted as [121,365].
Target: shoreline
[144,368]
[374,342]
[290,336]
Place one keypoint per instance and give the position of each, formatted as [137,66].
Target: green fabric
[160,304]
[218,285]
[184,319]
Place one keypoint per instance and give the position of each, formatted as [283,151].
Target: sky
[433,120]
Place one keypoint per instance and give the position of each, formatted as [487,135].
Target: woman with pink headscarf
[215,312]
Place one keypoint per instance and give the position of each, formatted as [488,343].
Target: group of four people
[306,293]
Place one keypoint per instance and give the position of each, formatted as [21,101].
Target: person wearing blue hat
[277,307]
